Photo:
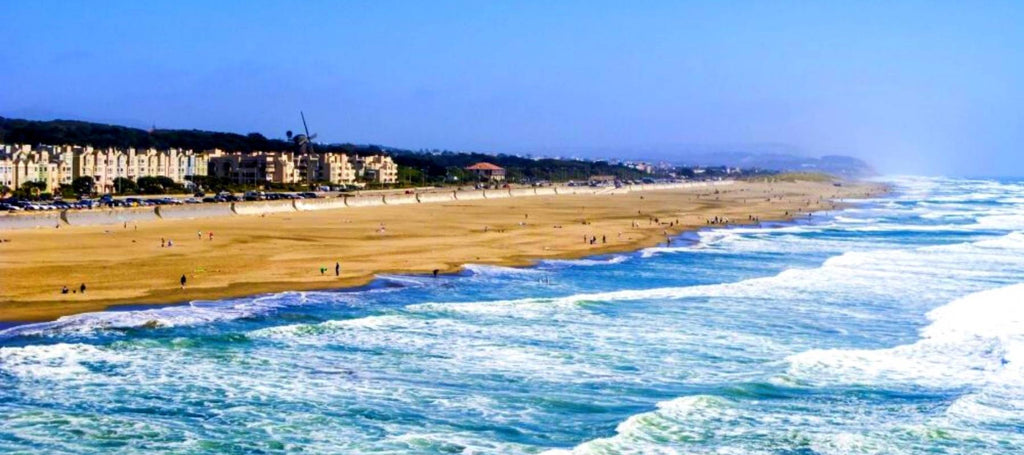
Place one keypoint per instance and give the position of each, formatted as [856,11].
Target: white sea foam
[617,259]
[855,272]
[486,270]
[405,280]
[62,361]
[973,341]
[193,313]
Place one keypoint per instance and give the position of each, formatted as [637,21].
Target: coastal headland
[142,261]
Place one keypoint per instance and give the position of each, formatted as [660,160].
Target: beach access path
[298,250]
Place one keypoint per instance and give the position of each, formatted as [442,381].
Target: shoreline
[461,271]
[18,312]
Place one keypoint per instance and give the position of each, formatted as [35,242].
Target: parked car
[309,195]
[27,205]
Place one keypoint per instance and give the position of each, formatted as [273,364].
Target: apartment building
[298,167]
[22,163]
[282,167]
[377,169]
[106,165]
[59,165]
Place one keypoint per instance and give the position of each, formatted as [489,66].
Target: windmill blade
[307,140]
[304,123]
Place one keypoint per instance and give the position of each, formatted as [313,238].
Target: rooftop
[484,166]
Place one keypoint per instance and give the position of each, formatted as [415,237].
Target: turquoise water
[896,326]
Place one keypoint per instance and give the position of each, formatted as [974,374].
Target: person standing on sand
[337,269]
[64,290]
[211,236]
[162,242]
[183,281]
[199,235]
[82,288]
[436,271]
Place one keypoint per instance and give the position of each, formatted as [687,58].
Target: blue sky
[912,87]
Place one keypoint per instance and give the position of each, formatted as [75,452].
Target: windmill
[309,165]
[302,140]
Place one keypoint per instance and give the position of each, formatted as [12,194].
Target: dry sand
[253,255]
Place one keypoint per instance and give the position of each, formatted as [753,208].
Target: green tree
[125,186]
[149,185]
[66,192]
[409,176]
[157,185]
[165,182]
[33,188]
[84,185]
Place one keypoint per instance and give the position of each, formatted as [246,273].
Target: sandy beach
[298,251]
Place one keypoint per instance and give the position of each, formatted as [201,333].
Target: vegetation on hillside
[415,167]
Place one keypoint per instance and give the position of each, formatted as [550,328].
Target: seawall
[52,219]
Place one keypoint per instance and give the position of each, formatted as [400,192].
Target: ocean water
[893,327]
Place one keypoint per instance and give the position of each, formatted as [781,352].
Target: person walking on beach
[183,281]
[337,269]
[199,235]
[436,271]
[162,242]
[82,288]
[211,236]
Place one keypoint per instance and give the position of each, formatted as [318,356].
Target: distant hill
[780,157]
[845,166]
[61,132]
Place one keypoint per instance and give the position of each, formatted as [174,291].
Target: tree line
[415,166]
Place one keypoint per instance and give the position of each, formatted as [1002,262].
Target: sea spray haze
[896,326]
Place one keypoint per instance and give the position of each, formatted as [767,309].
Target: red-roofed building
[487,171]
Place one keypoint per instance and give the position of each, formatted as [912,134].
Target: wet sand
[259,254]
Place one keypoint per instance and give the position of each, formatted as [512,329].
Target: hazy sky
[917,87]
